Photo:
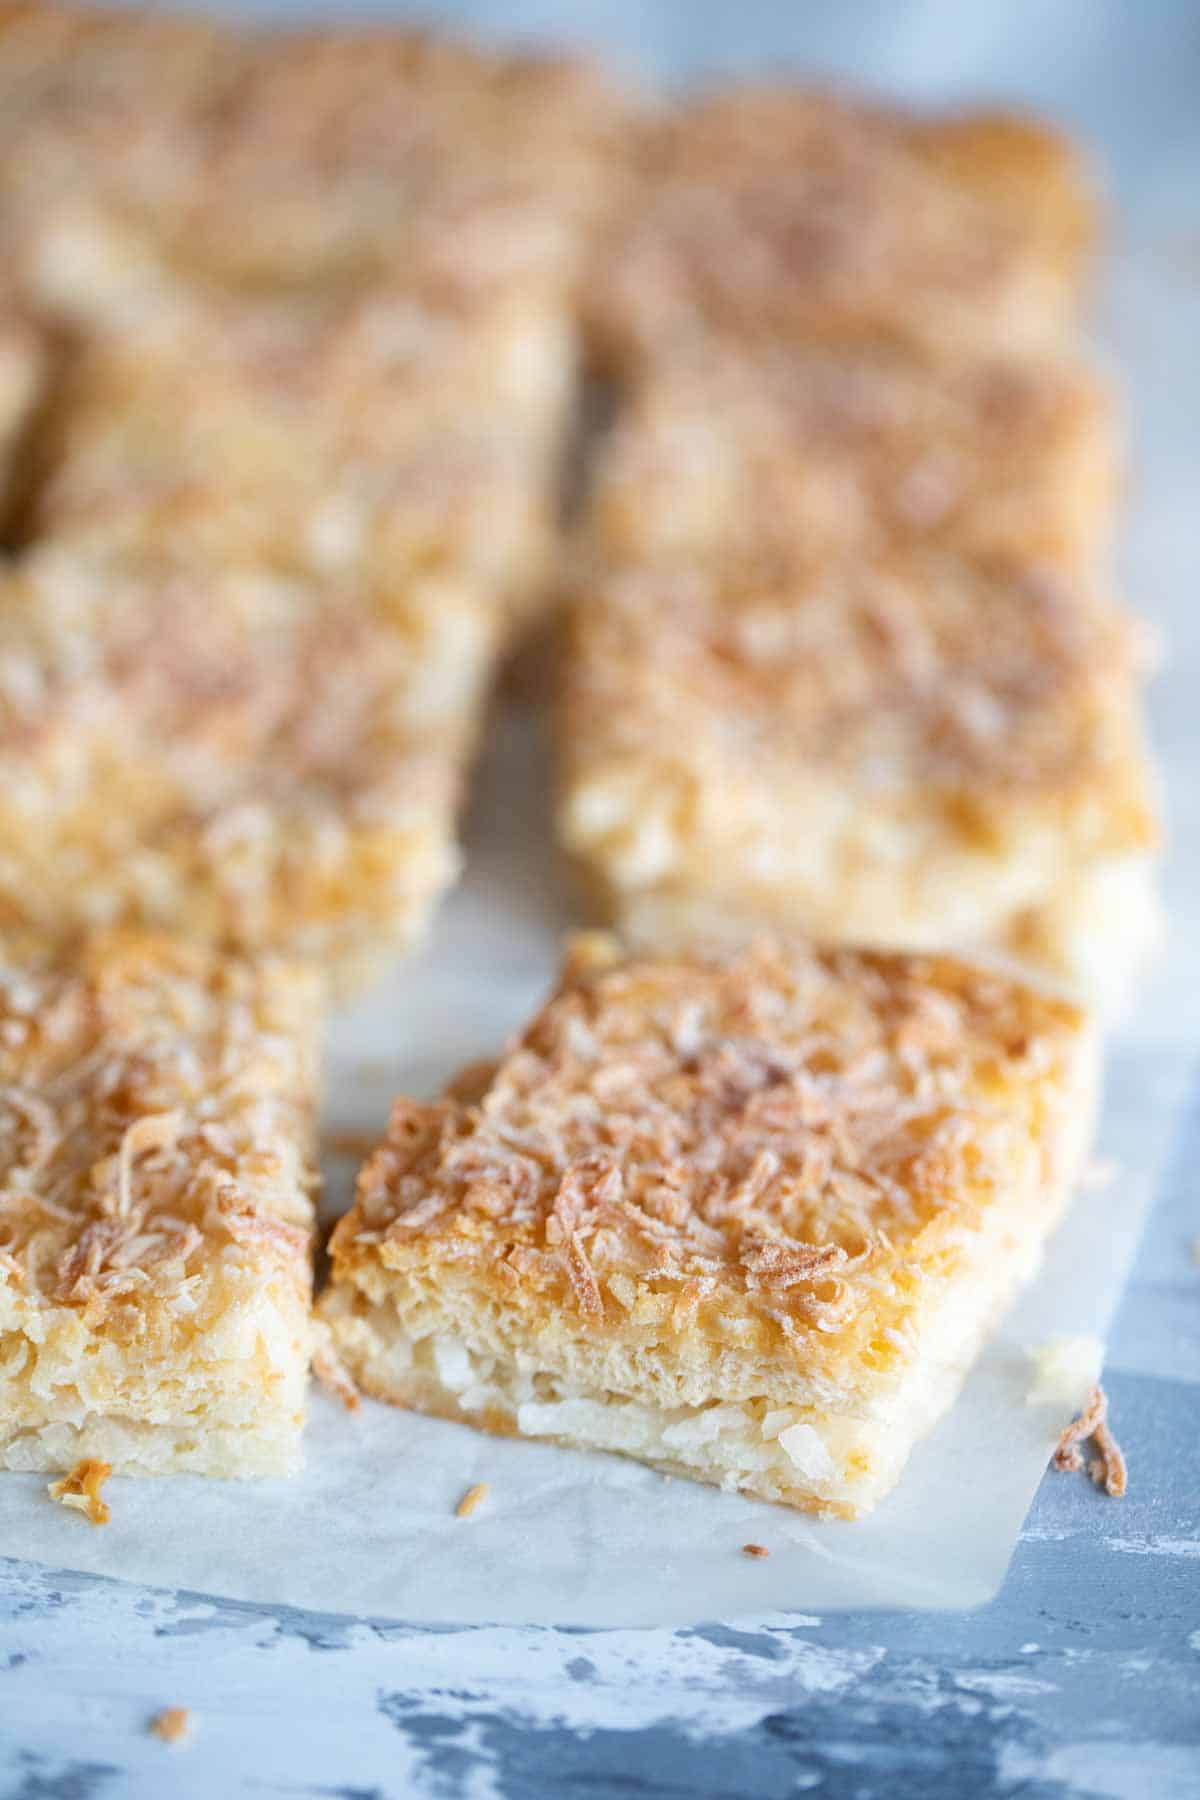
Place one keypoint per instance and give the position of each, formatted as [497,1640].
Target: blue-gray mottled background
[1083,1678]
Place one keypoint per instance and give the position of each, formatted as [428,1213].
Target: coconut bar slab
[156,1115]
[288,158]
[746,1220]
[249,759]
[912,749]
[776,214]
[843,450]
[404,441]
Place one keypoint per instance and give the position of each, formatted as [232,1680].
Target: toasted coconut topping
[1107,1469]
[418,425]
[233,751]
[849,448]
[354,151]
[981,682]
[81,1490]
[173,1724]
[152,1117]
[775,1132]
[471,1500]
[774,212]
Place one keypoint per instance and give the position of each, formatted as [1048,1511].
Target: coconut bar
[913,749]
[747,1220]
[391,437]
[775,214]
[843,450]
[156,1121]
[250,759]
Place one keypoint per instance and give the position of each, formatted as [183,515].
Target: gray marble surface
[1082,1679]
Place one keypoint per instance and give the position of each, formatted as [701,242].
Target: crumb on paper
[473,1498]
[328,1371]
[1196,1251]
[1099,1172]
[173,1724]
[755,1550]
[1107,1469]
[1065,1368]
[81,1489]
[350,1143]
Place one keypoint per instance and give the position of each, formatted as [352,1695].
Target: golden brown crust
[779,1135]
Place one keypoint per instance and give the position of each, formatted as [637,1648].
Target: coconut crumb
[1108,1469]
[173,1724]
[81,1489]
[471,1500]
[1196,1251]
[755,1550]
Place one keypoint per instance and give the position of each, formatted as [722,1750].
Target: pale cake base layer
[747,1426]
[224,1398]
[762,1446]
[1089,937]
[237,1445]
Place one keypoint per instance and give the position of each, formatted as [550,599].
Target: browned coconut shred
[473,1498]
[1108,1469]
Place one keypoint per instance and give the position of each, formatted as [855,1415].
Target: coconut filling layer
[773,1451]
[840,1461]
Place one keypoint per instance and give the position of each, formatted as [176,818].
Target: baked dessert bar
[288,158]
[101,132]
[783,214]
[403,439]
[843,449]
[746,1220]
[916,750]
[156,1118]
[246,758]
[362,152]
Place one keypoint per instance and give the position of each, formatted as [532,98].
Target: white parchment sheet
[566,1539]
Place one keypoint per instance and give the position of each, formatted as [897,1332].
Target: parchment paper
[593,1541]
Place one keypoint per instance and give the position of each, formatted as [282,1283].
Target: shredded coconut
[1108,1468]
[473,1498]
